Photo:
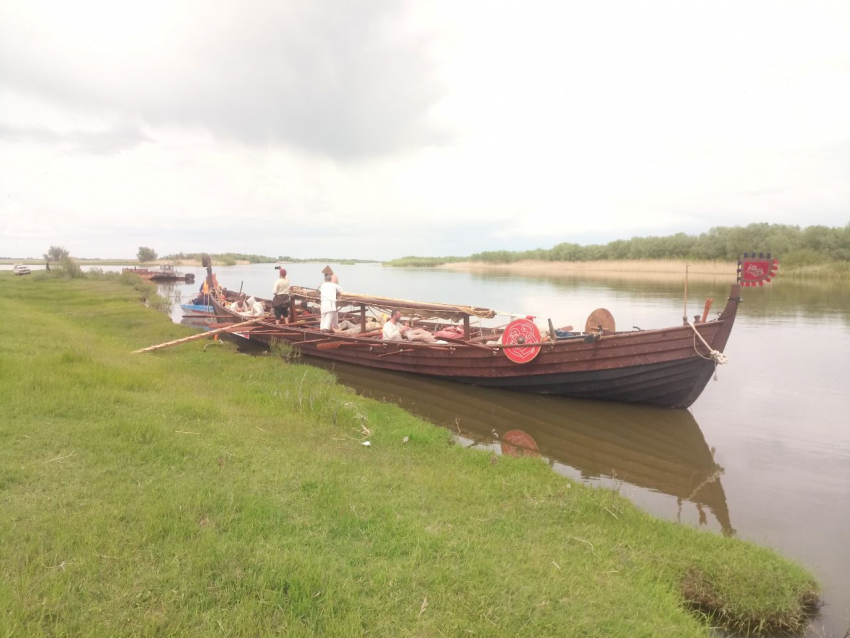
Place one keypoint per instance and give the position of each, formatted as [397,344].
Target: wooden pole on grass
[202,335]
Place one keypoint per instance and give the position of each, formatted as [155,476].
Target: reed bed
[646,269]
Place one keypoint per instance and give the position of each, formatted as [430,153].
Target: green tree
[56,253]
[146,254]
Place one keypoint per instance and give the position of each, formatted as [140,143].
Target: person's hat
[327,270]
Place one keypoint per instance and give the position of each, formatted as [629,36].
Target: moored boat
[196,310]
[668,367]
[165,273]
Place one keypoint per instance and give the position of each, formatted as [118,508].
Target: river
[764,453]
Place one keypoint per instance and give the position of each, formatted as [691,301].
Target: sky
[378,129]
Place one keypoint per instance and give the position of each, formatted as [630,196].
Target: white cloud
[373,129]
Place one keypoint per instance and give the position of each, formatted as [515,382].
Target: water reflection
[660,450]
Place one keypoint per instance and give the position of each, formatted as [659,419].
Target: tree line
[795,245]
[225,258]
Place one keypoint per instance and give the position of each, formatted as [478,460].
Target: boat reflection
[659,450]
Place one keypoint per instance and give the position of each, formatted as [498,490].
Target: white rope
[713,355]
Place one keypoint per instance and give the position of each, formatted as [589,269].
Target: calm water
[764,453]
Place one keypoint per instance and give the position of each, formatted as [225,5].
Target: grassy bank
[200,492]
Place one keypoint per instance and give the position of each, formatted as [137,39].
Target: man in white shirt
[329,292]
[392,331]
[239,305]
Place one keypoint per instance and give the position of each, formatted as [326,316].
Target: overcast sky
[376,129]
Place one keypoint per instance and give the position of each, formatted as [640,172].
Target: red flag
[755,270]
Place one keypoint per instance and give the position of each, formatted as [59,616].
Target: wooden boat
[668,367]
[165,273]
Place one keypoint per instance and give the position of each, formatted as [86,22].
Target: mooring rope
[713,355]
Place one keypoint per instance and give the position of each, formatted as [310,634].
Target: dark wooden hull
[669,383]
[668,367]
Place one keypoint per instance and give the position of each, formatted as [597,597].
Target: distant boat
[165,273]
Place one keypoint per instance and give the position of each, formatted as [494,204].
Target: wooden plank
[390,302]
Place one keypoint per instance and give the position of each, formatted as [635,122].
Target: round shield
[520,332]
[600,318]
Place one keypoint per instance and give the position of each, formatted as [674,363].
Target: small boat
[20,269]
[196,310]
[165,273]
[668,367]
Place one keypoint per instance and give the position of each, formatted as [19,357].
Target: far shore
[175,262]
[631,269]
[124,262]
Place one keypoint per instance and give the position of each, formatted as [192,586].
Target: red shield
[520,332]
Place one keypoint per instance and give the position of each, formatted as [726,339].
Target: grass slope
[197,492]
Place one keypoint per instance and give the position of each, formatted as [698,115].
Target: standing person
[329,291]
[280,297]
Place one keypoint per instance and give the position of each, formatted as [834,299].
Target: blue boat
[197,309]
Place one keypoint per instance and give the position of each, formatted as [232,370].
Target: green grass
[197,492]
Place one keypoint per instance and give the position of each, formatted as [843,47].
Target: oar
[202,335]
[465,343]
[301,343]
[333,345]
[489,337]
[389,354]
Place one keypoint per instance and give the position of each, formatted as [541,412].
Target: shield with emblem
[518,333]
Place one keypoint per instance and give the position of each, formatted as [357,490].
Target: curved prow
[728,318]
